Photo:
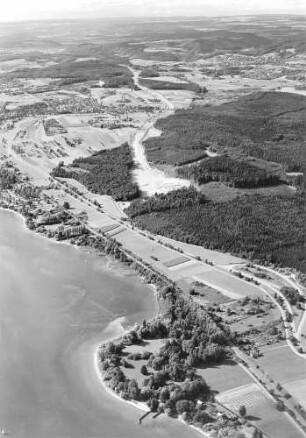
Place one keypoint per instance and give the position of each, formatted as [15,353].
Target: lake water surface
[56,304]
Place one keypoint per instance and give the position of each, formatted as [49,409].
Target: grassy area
[219,192]
[298,390]
[260,410]
[255,320]
[282,364]
[224,376]
[134,372]
[207,295]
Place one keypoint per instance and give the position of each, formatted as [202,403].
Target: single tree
[154,404]
[144,370]
[242,411]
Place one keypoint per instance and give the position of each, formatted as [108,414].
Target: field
[225,376]
[282,365]
[95,218]
[298,390]
[227,284]
[178,98]
[215,257]
[107,203]
[261,410]
[206,295]
[219,192]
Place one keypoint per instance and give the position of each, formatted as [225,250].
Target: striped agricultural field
[176,261]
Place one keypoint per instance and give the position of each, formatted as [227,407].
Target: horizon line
[153,18]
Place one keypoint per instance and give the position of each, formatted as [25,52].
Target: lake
[57,303]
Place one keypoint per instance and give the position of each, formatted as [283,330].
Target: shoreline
[84,249]
[43,236]
[205,434]
[138,405]
[129,261]
[141,406]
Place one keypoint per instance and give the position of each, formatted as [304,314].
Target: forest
[105,172]
[110,72]
[8,177]
[156,84]
[228,170]
[258,227]
[176,199]
[292,295]
[265,125]
[149,73]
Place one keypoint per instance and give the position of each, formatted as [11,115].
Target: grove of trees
[181,198]
[105,172]
[228,170]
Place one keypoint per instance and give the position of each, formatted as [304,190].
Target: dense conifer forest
[168,85]
[181,198]
[228,170]
[8,177]
[266,125]
[112,73]
[267,228]
[105,172]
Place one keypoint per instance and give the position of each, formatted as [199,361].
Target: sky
[11,10]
